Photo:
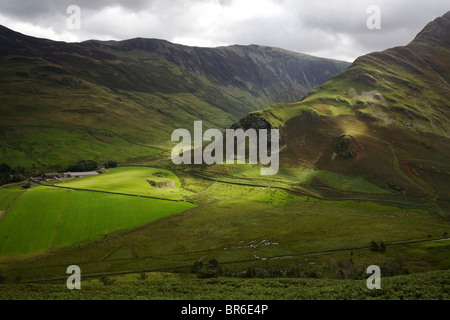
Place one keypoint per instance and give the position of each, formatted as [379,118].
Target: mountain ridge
[104,100]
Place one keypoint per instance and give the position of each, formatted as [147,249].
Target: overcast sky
[333,28]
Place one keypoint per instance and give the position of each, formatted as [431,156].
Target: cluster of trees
[83,166]
[90,165]
[10,175]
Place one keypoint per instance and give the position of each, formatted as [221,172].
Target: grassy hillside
[64,102]
[385,120]
[152,182]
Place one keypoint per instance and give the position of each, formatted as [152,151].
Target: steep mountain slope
[62,102]
[385,119]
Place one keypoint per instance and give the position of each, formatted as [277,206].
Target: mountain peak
[436,31]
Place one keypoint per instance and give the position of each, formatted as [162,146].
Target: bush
[213,263]
[110,164]
[107,281]
[208,273]
[377,248]
[27,185]
[211,270]
[374,246]
[143,276]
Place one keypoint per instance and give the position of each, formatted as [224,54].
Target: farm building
[80,174]
[50,176]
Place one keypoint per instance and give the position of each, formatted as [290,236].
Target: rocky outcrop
[161,183]
[348,147]
[253,120]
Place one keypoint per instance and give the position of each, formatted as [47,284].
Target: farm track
[432,206]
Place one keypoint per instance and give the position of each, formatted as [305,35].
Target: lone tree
[382,247]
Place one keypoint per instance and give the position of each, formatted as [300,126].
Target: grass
[131,180]
[8,195]
[62,218]
[267,230]
[55,148]
[242,227]
[342,182]
[162,286]
[31,223]
[57,109]
[289,176]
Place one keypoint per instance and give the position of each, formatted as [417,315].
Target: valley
[362,177]
[253,231]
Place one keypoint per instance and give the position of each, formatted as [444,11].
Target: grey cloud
[335,29]
[36,8]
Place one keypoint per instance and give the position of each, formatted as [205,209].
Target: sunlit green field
[288,176]
[46,218]
[131,180]
[8,195]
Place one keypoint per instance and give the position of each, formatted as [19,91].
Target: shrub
[211,270]
[213,263]
[143,276]
[377,248]
[374,246]
[107,281]
[110,164]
